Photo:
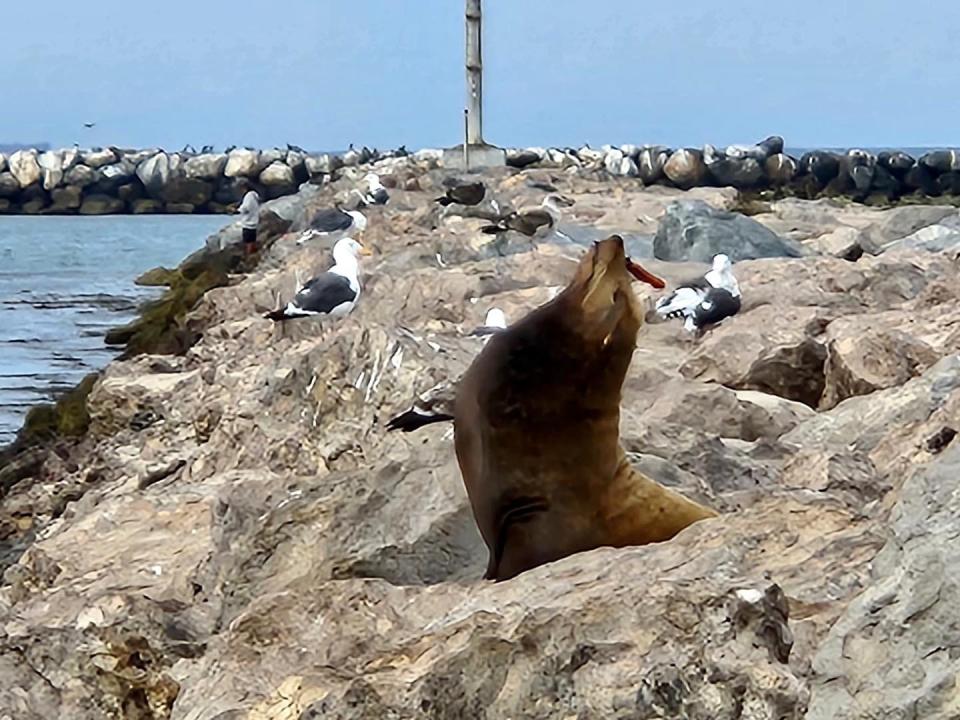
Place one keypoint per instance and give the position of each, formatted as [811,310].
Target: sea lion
[536,427]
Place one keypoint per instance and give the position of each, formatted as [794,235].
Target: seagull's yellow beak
[364,250]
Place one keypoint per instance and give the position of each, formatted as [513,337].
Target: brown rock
[772,349]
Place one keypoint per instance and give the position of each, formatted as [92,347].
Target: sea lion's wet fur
[537,429]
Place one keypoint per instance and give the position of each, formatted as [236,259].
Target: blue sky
[324,73]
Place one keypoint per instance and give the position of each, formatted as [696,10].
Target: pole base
[479,156]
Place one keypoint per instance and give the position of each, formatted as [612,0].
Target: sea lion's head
[601,288]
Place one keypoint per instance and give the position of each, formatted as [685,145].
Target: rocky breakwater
[236,536]
[765,167]
[113,180]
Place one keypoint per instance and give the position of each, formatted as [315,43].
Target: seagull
[493,323]
[334,223]
[470,193]
[333,293]
[376,193]
[705,301]
[534,222]
[436,404]
[433,406]
[89,125]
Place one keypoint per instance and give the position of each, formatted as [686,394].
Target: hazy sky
[324,73]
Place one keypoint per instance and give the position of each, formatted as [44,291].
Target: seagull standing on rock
[706,301]
[333,223]
[376,193]
[333,293]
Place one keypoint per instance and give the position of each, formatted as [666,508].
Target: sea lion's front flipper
[641,510]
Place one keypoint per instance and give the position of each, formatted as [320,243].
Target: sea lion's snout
[644,275]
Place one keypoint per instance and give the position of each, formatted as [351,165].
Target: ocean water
[64,281]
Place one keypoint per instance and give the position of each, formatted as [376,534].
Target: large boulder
[98,157]
[736,172]
[692,230]
[146,206]
[25,168]
[866,353]
[186,191]
[9,186]
[81,176]
[70,157]
[780,169]
[901,222]
[113,176]
[243,163]
[941,161]
[66,198]
[904,617]
[158,172]
[208,166]
[51,162]
[773,349]
[318,165]
[650,163]
[278,179]
[897,163]
[685,168]
[232,190]
[820,166]
[98,204]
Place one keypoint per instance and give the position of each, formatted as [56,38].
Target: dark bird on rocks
[206,149]
[333,293]
[465,193]
[535,222]
[295,148]
[940,439]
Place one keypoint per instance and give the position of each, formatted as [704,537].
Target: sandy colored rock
[24,167]
[237,536]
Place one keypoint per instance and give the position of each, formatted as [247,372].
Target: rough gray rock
[25,168]
[650,163]
[780,169]
[65,198]
[206,167]
[81,176]
[158,172]
[98,158]
[51,163]
[685,168]
[902,625]
[242,163]
[9,186]
[97,204]
[694,231]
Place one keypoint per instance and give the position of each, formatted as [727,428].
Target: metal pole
[466,139]
[474,74]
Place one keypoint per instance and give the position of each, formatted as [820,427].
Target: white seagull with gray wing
[705,301]
[333,224]
[333,293]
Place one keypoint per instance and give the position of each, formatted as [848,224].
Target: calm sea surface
[64,281]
